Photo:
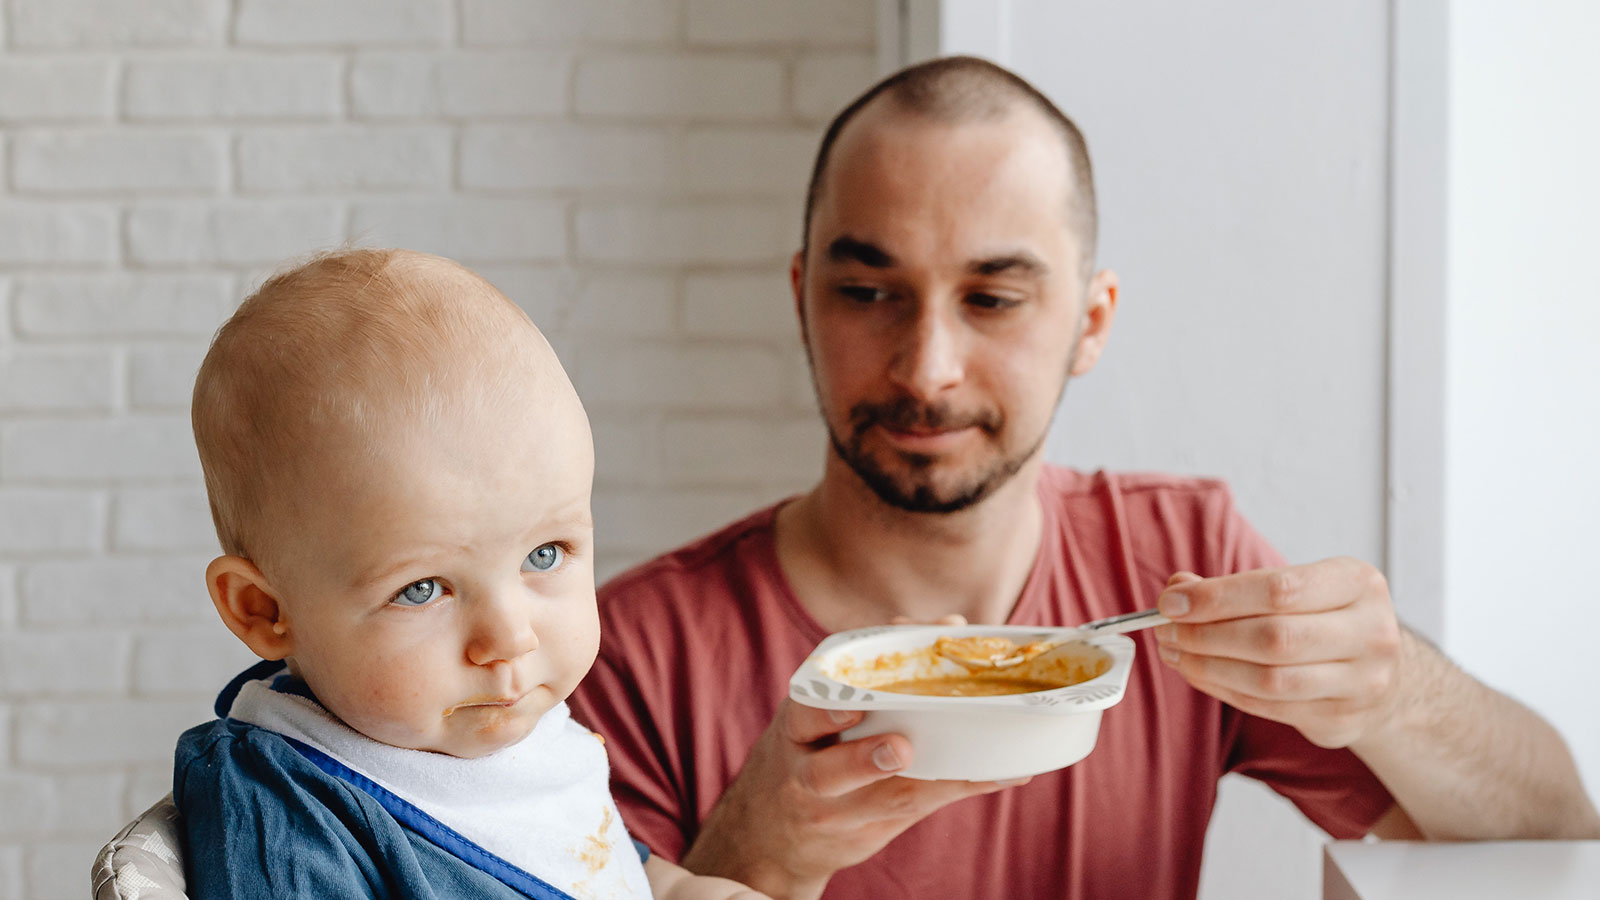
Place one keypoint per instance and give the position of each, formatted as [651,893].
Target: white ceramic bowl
[966,738]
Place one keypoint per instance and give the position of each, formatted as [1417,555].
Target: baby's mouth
[488,701]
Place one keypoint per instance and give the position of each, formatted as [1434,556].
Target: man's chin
[920,493]
[934,483]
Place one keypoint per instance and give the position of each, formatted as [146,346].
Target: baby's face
[438,591]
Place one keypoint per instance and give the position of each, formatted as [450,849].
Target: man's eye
[418,593]
[990,301]
[862,294]
[544,558]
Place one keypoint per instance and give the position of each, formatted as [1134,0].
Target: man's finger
[910,799]
[806,724]
[838,770]
[1326,723]
[1314,587]
[1298,684]
[1274,640]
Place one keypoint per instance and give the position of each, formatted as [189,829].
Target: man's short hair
[959,89]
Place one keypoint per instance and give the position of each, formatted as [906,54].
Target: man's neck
[854,560]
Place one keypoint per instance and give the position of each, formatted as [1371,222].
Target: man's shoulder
[708,560]
[1161,523]
[1072,486]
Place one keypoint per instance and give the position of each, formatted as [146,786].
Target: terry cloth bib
[543,804]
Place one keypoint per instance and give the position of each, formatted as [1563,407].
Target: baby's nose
[503,630]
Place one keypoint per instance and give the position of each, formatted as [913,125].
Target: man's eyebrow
[1020,263]
[849,249]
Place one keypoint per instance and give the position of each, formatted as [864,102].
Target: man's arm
[1318,647]
[1467,762]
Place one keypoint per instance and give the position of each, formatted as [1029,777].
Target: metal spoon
[1002,653]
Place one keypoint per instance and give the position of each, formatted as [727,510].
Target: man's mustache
[905,414]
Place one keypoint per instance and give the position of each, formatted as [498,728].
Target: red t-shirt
[697,648]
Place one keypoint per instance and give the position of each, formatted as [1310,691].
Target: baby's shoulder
[241,788]
[226,761]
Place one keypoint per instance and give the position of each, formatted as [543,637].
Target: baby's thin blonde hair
[353,343]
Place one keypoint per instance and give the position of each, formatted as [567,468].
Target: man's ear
[797,279]
[1099,309]
[249,606]
[797,284]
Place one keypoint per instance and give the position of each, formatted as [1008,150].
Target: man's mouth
[905,418]
[917,437]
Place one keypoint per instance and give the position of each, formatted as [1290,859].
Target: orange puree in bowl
[924,671]
[969,687]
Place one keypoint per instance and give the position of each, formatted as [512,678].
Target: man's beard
[916,491]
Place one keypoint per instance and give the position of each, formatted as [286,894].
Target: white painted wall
[1523,416]
[1240,151]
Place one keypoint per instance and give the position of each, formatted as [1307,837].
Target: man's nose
[502,627]
[931,355]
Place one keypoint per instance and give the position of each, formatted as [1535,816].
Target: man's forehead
[997,187]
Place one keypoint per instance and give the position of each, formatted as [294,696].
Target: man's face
[943,303]
[439,589]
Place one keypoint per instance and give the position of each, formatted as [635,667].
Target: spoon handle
[1133,621]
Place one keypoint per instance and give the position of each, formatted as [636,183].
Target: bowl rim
[811,686]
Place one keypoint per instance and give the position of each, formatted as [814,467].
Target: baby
[399,471]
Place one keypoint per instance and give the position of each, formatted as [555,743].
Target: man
[946,291]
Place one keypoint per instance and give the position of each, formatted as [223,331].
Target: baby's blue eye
[417,593]
[543,559]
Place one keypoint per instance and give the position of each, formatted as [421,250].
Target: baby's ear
[249,606]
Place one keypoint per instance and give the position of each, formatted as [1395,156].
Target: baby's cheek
[576,664]
[393,696]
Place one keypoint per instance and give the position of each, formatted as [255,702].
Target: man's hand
[1314,646]
[806,805]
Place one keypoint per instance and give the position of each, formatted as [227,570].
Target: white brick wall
[124,159]
[680,86]
[56,90]
[630,171]
[233,87]
[115,24]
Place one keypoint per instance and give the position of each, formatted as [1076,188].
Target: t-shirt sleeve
[610,701]
[1333,788]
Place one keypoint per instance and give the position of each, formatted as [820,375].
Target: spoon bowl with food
[998,652]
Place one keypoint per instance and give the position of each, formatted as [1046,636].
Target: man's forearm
[1468,763]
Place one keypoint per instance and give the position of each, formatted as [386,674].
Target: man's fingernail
[1173,604]
[886,759]
[1165,634]
[1170,654]
[841,716]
